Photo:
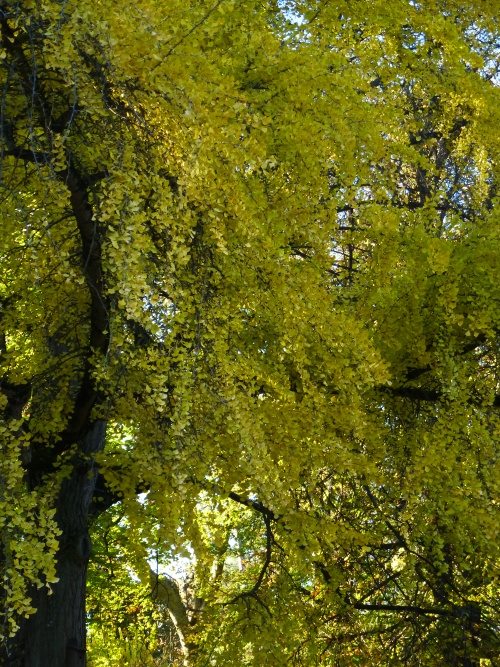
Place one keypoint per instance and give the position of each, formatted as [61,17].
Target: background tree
[249,261]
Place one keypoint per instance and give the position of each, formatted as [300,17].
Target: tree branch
[268,516]
[402,607]
[253,504]
[99,318]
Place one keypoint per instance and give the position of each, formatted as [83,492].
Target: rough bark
[55,635]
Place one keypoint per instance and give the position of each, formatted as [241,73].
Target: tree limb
[268,516]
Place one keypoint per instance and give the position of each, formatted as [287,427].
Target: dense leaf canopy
[250,317]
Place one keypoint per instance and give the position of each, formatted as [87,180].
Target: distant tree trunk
[167,591]
[55,636]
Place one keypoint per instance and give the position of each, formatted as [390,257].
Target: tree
[248,283]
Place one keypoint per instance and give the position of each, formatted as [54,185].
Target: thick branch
[427,395]
[99,329]
[253,504]
[98,341]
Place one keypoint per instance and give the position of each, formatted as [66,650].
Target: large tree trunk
[55,635]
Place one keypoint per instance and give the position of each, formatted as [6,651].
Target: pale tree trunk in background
[167,591]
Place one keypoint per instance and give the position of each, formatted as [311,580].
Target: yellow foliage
[260,246]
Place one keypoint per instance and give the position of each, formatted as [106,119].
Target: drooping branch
[268,516]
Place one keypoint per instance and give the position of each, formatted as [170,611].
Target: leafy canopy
[259,243]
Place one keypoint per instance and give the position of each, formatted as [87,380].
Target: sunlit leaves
[294,246]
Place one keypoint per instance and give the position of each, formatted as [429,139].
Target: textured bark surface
[55,635]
